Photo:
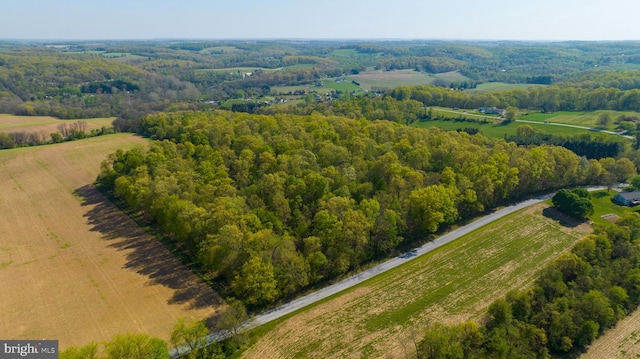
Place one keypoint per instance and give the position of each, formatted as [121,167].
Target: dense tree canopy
[276,203]
[576,203]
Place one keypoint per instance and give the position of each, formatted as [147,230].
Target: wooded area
[275,204]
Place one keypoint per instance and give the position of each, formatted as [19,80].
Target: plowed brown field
[72,266]
[45,124]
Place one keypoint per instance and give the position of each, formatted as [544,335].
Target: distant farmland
[497,129]
[327,85]
[493,126]
[72,266]
[501,86]
[45,124]
[390,79]
[372,79]
[382,317]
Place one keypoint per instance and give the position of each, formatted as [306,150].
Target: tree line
[188,339]
[547,99]
[66,132]
[586,144]
[275,204]
[574,300]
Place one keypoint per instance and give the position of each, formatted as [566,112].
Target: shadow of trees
[145,254]
[562,218]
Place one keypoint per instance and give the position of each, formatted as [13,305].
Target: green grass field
[501,86]
[497,130]
[121,56]
[344,52]
[453,283]
[603,206]
[585,118]
[223,49]
[236,69]
[12,123]
[390,79]
[328,85]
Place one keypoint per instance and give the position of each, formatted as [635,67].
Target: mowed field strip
[72,266]
[45,124]
[382,316]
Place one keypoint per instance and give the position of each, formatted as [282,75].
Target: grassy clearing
[390,79]
[501,86]
[328,85]
[218,49]
[298,66]
[369,79]
[451,76]
[74,267]
[123,56]
[344,52]
[498,130]
[586,118]
[242,70]
[456,282]
[12,123]
[603,205]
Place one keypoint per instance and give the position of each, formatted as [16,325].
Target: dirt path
[72,266]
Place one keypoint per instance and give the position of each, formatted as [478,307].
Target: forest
[276,204]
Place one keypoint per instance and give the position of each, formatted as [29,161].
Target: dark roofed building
[627,198]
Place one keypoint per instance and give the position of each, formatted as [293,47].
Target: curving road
[323,293]
[544,123]
[576,126]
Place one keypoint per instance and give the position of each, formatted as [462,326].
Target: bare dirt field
[45,124]
[620,342]
[75,268]
[382,317]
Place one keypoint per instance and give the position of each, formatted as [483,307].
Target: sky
[544,20]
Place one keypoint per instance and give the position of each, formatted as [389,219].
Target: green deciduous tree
[256,281]
[89,351]
[604,120]
[573,203]
[233,317]
[192,334]
[135,346]
[431,206]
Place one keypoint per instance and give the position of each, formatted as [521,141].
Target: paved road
[323,293]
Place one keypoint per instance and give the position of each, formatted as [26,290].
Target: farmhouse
[627,198]
[492,111]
